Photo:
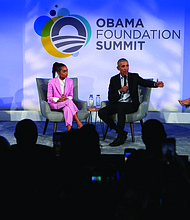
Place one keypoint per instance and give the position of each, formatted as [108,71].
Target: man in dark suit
[123,97]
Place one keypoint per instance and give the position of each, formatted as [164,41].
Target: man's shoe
[118,141]
[125,133]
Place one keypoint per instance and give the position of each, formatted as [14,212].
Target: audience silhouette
[4,153]
[32,165]
[76,183]
[153,134]
[5,170]
[154,187]
[80,156]
[27,155]
[80,147]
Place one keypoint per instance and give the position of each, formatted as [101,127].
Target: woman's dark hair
[56,68]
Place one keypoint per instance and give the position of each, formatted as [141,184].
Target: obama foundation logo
[62,34]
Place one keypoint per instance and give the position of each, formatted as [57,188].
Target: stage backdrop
[90,36]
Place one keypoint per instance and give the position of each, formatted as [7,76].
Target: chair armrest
[81,105]
[138,115]
[45,109]
[143,110]
[105,103]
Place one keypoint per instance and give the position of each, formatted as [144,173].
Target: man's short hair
[121,60]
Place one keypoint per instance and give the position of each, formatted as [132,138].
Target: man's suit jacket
[54,89]
[133,81]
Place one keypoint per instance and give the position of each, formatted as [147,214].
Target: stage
[180,131]
[182,117]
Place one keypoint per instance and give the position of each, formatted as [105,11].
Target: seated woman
[185,102]
[60,94]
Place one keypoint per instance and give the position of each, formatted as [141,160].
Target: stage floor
[181,132]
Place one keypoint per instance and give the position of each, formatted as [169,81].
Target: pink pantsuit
[68,107]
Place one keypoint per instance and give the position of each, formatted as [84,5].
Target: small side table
[93,109]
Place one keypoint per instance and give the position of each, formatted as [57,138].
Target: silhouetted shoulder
[44,148]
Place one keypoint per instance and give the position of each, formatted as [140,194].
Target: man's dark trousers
[121,108]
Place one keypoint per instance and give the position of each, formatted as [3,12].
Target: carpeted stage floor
[179,131]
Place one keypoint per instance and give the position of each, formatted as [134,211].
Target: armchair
[139,115]
[55,115]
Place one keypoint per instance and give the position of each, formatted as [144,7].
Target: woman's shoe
[186,105]
[181,102]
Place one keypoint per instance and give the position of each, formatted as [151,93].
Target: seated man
[123,95]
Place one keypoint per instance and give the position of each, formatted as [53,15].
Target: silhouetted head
[153,134]
[90,141]
[80,146]
[26,132]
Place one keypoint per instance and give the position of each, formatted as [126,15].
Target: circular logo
[63,35]
[68,44]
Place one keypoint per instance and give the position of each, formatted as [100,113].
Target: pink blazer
[54,90]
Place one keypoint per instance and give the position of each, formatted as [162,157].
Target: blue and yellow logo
[63,35]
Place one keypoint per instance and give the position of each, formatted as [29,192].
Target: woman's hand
[63,98]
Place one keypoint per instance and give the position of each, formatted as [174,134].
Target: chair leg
[105,132]
[132,131]
[45,127]
[55,127]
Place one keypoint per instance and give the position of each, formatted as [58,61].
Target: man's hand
[63,98]
[159,83]
[123,89]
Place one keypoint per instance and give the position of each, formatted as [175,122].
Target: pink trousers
[69,110]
